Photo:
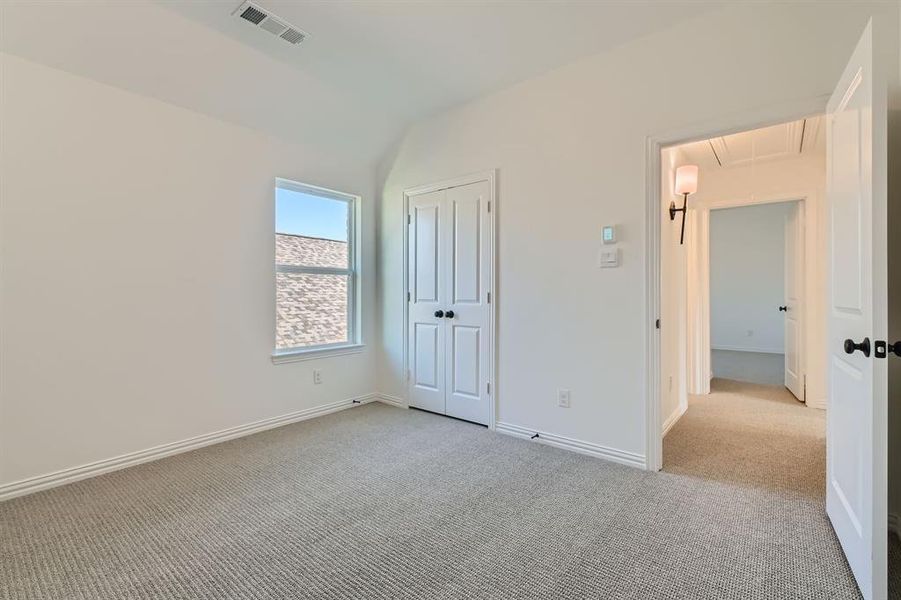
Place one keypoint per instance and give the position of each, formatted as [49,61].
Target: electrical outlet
[317,376]
[563,398]
[750,333]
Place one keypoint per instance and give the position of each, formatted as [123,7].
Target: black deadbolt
[439,313]
[864,346]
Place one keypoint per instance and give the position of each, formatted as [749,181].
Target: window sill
[289,356]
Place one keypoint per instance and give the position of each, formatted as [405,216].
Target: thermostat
[608,234]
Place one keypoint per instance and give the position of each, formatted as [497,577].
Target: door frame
[491,177]
[704,270]
[654,145]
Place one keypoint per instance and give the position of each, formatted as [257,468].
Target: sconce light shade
[686,180]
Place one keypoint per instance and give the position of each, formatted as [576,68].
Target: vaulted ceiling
[366,72]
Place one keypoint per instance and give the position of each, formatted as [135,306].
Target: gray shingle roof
[311,309]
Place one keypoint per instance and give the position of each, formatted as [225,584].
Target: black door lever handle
[864,346]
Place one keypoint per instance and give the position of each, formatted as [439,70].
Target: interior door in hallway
[856,166]
[449,276]
[793,307]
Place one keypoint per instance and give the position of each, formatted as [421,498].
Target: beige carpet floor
[379,502]
[750,435]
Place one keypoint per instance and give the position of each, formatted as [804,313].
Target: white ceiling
[368,69]
[777,142]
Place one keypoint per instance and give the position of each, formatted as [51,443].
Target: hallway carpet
[751,435]
[379,502]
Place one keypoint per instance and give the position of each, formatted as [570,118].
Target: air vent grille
[293,36]
[269,23]
[253,15]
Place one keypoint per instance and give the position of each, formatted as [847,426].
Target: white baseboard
[50,480]
[819,403]
[619,456]
[673,418]
[749,349]
[391,400]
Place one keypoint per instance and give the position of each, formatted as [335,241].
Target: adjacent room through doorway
[742,300]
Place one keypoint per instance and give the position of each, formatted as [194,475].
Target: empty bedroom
[434,299]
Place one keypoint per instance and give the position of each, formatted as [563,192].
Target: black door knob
[864,346]
[895,348]
[439,313]
[449,314]
[783,308]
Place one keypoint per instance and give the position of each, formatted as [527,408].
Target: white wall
[137,273]
[673,302]
[570,150]
[747,277]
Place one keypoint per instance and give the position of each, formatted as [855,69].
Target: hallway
[750,435]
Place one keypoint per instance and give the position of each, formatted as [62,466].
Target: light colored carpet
[754,367]
[379,502]
[751,435]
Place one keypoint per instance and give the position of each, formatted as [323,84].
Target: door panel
[466,270]
[468,336]
[794,305]
[856,166]
[425,345]
[465,372]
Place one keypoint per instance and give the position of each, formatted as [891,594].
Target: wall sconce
[686,183]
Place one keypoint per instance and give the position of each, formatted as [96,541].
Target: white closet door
[427,265]
[794,305]
[467,243]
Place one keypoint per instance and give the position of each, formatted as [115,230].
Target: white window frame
[354,341]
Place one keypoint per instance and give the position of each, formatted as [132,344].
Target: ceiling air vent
[270,23]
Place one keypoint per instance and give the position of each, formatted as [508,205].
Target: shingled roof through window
[311,309]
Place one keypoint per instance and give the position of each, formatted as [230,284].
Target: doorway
[449,339]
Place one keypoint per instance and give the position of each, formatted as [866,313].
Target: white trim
[622,457]
[395,401]
[748,349]
[50,480]
[818,403]
[713,127]
[674,418]
[289,356]
[491,177]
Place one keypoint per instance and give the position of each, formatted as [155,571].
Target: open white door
[793,309]
[857,312]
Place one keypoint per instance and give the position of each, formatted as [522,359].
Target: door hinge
[409,219]
[489,297]
[408,296]
[489,206]
[657,324]
[488,387]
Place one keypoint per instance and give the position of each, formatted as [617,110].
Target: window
[315,269]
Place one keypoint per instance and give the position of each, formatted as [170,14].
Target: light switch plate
[608,258]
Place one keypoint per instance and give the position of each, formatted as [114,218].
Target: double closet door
[449,245]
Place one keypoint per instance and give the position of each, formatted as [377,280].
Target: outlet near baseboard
[563,398]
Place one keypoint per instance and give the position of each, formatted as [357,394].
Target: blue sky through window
[313,216]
